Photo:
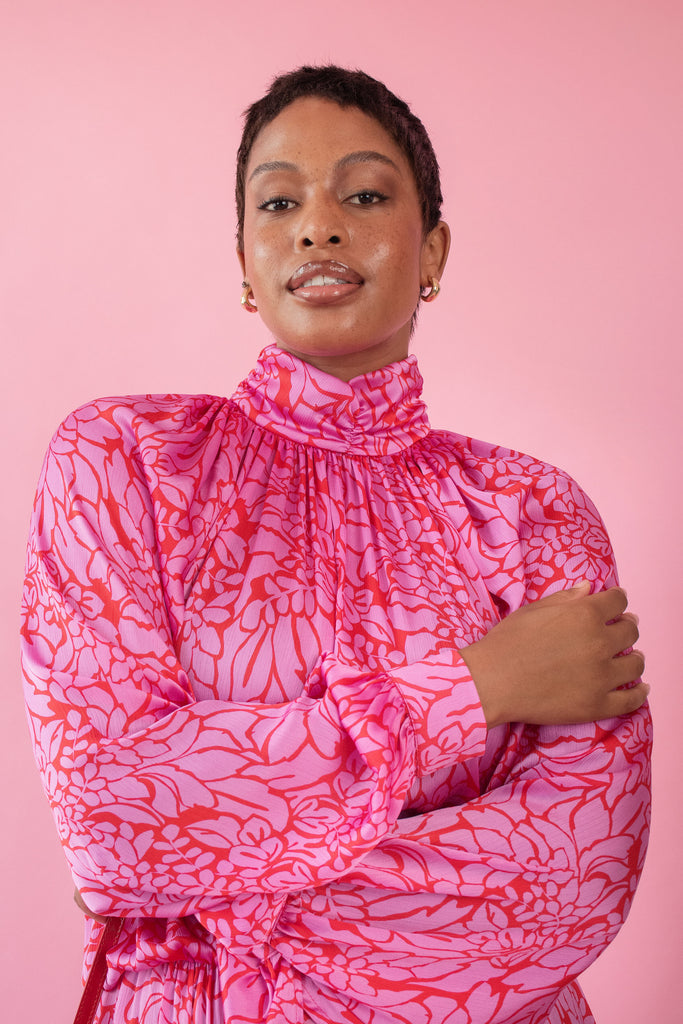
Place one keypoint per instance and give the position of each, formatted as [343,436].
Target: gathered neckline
[376,413]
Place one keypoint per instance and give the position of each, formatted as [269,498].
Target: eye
[278,204]
[368,197]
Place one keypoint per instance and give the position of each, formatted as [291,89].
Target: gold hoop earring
[245,300]
[434,289]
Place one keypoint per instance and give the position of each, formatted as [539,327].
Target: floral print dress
[241,629]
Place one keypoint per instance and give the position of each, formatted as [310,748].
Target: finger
[632,617]
[621,634]
[626,668]
[625,702]
[610,603]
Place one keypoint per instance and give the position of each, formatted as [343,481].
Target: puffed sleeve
[491,908]
[168,805]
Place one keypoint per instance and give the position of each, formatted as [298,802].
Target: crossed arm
[151,790]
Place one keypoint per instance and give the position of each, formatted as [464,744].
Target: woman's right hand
[82,905]
[559,660]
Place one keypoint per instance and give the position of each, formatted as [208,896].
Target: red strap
[94,984]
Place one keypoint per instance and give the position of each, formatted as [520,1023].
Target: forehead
[314,133]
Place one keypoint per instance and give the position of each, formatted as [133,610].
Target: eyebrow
[365,156]
[361,156]
[273,165]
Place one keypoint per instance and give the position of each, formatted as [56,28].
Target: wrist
[487,682]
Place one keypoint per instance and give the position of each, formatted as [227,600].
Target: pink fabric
[241,625]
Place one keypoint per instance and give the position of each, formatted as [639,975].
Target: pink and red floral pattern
[241,626]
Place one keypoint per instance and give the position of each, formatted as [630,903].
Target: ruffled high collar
[378,413]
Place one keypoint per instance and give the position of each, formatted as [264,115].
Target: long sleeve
[504,899]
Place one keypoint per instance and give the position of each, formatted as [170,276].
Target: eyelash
[275,199]
[379,197]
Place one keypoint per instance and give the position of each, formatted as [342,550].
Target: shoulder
[137,417]
[517,499]
[491,467]
[547,495]
[140,426]
[136,437]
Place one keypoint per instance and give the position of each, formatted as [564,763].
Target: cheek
[399,261]
[394,250]
[261,259]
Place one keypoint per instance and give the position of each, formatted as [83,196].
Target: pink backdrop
[558,330]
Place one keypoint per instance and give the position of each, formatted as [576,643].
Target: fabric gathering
[262,749]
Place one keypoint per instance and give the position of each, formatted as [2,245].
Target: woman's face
[334,247]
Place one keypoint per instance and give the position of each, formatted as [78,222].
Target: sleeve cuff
[444,709]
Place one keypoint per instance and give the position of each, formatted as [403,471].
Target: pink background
[558,330]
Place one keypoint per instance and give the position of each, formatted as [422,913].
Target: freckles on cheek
[261,260]
[403,264]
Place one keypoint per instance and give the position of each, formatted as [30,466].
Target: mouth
[324,281]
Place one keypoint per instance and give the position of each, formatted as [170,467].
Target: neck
[378,413]
[347,365]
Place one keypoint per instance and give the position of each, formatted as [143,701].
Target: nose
[322,225]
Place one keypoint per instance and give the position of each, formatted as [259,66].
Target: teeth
[319,280]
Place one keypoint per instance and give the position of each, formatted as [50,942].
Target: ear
[435,253]
[240,257]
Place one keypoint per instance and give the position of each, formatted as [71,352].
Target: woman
[305,675]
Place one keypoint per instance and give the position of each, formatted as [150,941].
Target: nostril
[333,240]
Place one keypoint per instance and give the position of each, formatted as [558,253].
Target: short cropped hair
[348,89]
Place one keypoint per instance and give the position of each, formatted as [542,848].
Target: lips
[324,281]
